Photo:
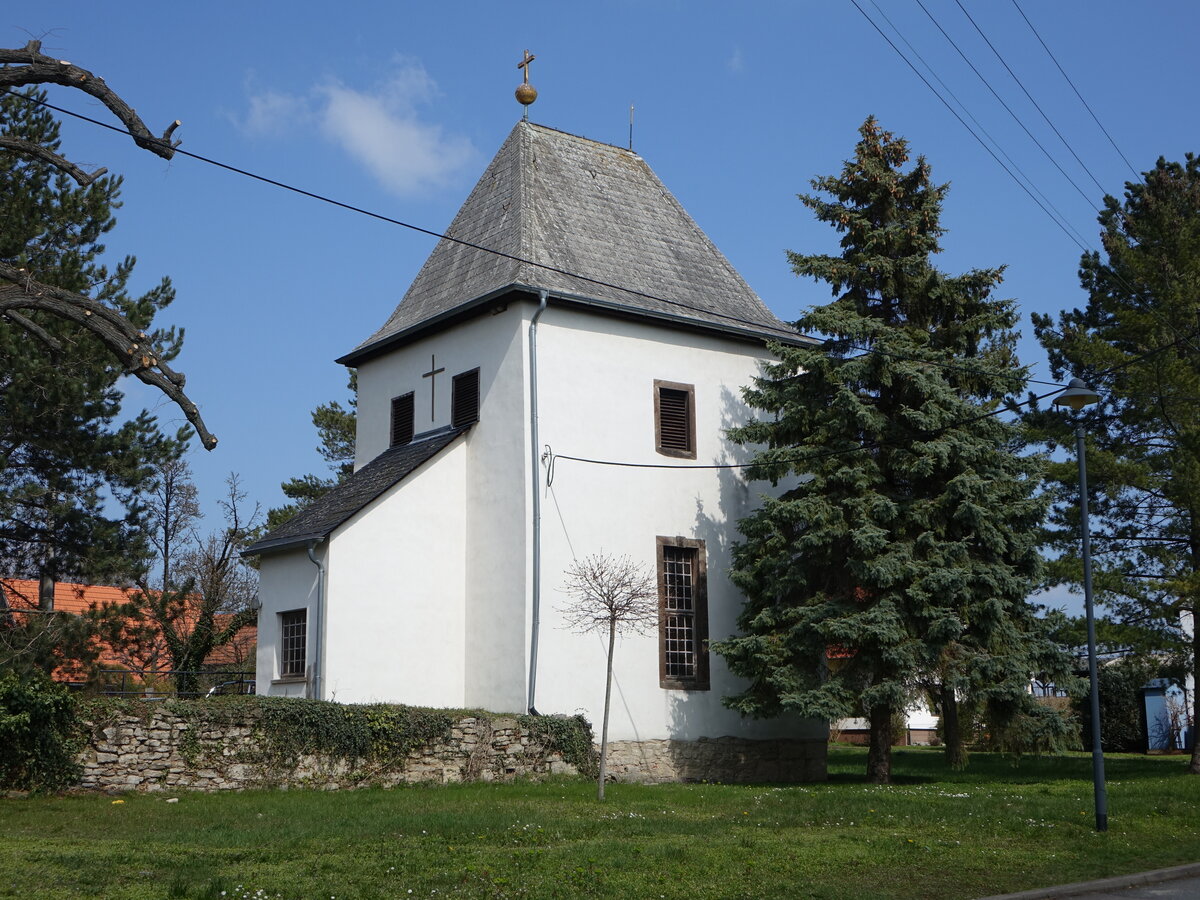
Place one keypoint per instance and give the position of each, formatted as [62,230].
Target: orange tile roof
[77,599]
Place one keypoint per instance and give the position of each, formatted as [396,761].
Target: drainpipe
[536,482]
[319,636]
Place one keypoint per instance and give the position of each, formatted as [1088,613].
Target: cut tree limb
[18,291]
[21,291]
[30,66]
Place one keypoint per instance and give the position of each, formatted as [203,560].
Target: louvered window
[682,614]
[675,419]
[464,399]
[293,650]
[402,419]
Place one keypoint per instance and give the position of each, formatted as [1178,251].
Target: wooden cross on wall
[432,375]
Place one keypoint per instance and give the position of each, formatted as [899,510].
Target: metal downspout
[318,643]
[536,482]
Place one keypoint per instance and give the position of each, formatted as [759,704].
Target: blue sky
[397,107]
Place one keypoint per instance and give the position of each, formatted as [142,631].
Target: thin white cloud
[273,114]
[736,61]
[381,128]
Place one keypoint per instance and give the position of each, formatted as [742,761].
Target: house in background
[566,395]
[148,660]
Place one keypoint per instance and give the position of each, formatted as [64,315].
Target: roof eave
[746,332]
[261,548]
[426,326]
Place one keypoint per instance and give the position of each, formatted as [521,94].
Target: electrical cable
[1036,105]
[872,445]
[1136,175]
[1081,245]
[970,130]
[392,221]
[1058,212]
[1007,108]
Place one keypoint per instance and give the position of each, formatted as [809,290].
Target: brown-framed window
[293,644]
[682,614]
[675,419]
[464,399]
[403,417]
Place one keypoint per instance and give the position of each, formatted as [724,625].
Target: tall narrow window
[675,419]
[682,614]
[403,413]
[293,649]
[464,399]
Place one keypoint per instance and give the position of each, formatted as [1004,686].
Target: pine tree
[1137,343]
[65,454]
[336,425]
[904,546]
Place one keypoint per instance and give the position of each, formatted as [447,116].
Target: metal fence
[162,684]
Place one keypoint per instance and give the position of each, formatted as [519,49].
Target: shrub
[39,733]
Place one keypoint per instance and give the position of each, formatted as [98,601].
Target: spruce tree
[904,546]
[65,453]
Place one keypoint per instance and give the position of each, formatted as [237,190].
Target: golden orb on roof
[526,93]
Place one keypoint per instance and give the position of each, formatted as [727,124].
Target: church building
[557,382]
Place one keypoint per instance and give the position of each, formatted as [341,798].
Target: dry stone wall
[167,752]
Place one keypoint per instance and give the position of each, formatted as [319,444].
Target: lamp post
[1077,396]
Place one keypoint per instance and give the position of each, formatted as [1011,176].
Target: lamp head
[1077,396]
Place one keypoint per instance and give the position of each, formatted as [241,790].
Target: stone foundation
[727,759]
[164,751]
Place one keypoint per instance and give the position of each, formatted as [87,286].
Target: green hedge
[39,734]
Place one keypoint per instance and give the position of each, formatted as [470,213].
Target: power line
[1087,249]
[417,228]
[1136,175]
[1036,105]
[1059,213]
[478,247]
[970,131]
[1007,108]
[872,445]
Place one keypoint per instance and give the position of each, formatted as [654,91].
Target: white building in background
[433,575]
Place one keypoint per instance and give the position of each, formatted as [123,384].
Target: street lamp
[1077,396]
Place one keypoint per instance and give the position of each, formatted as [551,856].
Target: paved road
[1178,883]
[1176,889]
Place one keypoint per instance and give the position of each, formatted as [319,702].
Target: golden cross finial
[524,64]
[526,93]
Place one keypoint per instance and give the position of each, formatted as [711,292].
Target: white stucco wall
[396,592]
[430,586]
[596,386]
[287,581]
[490,544]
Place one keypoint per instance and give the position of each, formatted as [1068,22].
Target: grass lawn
[998,826]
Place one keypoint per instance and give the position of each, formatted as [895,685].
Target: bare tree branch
[30,66]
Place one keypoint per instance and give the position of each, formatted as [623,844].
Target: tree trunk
[956,753]
[612,639]
[1194,766]
[879,757]
[46,590]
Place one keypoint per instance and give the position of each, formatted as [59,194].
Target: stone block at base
[728,760]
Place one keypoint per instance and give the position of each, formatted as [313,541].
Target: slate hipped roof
[586,208]
[319,519]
